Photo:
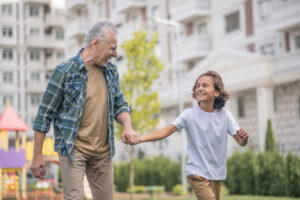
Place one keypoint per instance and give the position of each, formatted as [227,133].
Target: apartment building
[31,45]
[253,44]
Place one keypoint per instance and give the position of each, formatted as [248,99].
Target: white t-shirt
[207,140]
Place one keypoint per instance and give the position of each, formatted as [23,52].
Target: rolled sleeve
[50,101]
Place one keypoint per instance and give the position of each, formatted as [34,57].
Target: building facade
[31,44]
[253,44]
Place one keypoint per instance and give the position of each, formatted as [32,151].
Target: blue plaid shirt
[63,102]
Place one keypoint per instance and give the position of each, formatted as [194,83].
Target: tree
[142,69]
[270,141]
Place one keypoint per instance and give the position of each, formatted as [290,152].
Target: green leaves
[142,69]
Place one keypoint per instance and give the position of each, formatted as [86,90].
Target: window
[35,99]
[33,11]
[267,49]
[232,22]
[6,9]
[35,76]
[241,107]
[297,42]
[264,7]
[34,55]
[34,31]
[7,31]
[60,55]
[202,29]
[60,34]
[8,97]
[7,77]
[7,54]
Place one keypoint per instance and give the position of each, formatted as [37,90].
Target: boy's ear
[217,94]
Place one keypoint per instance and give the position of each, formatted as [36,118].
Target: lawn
[125,196]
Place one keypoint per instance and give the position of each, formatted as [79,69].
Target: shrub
[137,189]
[271,174]
[241,173]
[177,190]
[224,190]
[292,176]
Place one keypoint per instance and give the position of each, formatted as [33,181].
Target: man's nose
[114,53]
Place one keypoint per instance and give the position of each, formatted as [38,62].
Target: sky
[58,3]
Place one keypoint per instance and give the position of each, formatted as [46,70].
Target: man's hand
[130,137]
[38,167]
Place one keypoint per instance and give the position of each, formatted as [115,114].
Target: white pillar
[265,106]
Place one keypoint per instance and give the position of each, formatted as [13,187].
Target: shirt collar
[79,59]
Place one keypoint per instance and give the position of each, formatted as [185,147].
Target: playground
[16,180]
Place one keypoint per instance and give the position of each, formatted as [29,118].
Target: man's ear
[94,43]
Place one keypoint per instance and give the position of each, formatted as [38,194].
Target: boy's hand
[135,140]
[243,134]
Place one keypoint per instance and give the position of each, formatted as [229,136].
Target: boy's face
[205,90]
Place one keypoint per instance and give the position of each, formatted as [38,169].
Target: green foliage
[224,190]
[292,175]
[177,190]
[270,141]
[155,171]
[241,167]
[142,69]
[137,189]
[271,174]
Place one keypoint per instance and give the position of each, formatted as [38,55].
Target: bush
[137,189]
[155,171]
[177,190]
[241,173]
[224,190]
[271,174]
[292,176]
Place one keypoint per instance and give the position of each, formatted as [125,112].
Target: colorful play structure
[15,159]
[12,159]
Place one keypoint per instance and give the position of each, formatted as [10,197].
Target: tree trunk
[131,180]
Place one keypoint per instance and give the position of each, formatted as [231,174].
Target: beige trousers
[99,173]
[205,189]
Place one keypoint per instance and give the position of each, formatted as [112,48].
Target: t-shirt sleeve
[232,125]
[181,121]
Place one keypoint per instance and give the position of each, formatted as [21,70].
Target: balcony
[38,1]
[186,11]
[287,67]
[285,15]
[77,28]
[193,48]
[55,19]
[129,5]
[36,86]
[75,4]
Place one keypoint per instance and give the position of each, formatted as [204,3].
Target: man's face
[106,49]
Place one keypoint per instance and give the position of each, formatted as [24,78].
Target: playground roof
[10,121]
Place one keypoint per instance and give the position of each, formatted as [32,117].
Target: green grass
[235,197]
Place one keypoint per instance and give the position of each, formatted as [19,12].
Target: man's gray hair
[99,31]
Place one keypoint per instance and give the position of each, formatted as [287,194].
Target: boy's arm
[158,134]
[241,137]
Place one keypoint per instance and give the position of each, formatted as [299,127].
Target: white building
[31,44]
[253,44]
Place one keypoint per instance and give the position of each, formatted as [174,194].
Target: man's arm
[128,135]
[38,166]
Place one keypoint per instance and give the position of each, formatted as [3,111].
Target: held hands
[130,137]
